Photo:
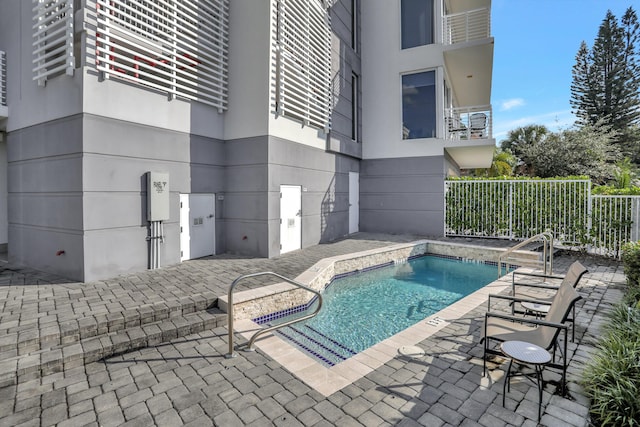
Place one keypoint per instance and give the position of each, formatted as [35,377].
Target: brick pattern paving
[177,374]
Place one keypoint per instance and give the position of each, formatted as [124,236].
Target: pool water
[363,309]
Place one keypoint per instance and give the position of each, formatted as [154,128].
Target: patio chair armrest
[532,274]
[535,285]
[512,300]
[516,299]
[528,320]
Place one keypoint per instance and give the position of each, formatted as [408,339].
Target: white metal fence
[519,209]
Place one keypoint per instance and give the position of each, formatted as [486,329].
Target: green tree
[606,78]
[624,174]
[502,165]
[586,150]
[522,137]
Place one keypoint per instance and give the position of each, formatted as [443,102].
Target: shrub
[631,263]
[612,378]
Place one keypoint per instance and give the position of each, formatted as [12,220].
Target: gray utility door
[290,218]
[197,225]
[354,202]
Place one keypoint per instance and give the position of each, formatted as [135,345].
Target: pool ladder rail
[270,328]
[546,261]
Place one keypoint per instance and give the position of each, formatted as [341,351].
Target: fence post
[635,221]
[589,219]
[511,210]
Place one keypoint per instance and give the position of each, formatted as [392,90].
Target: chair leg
[540,384]
[507,382]
[573,325]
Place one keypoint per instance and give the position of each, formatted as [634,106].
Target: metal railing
[547,251]
[615,220]
[270,328]
[519,209]
[466,26]
[465,123]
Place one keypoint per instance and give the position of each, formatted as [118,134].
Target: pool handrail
[270,328]
[547,251]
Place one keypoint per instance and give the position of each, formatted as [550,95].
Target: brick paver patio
[148,349]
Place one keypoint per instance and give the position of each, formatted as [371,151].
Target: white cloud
[510,104]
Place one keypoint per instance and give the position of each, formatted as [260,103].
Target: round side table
[540,310]
[525,353]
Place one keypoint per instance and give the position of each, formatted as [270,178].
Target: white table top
[534,306]
[525,352]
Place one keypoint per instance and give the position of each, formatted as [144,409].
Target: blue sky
[536,42]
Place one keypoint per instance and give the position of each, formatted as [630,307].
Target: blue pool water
[363,309]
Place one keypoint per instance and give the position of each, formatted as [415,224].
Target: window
[53,39]
[419,105]
[416,22]
[303,51]
[354,24]
[172,46]
[355,106]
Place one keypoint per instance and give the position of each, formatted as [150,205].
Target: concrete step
[42,362]
[30,338]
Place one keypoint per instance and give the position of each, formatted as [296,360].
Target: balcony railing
[465,123]
[466,26]
[3,85]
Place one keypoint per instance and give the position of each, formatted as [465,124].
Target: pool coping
[328,380]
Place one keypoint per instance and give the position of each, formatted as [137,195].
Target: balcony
[469,136]
[466,26]
[4,110]
[466,123]
[468,52]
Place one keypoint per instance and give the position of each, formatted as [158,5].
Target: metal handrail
[547,248]
[270,328]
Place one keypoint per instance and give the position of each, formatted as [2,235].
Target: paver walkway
[52,337]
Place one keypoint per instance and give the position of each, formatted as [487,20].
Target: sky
[536,42]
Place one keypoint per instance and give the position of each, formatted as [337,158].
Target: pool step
[318,344]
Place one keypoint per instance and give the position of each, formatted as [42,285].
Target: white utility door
[197,225]
[354,202]
[290,218]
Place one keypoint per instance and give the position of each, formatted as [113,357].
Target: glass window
[354,24]
[416,22]
[355,106]
[419,105]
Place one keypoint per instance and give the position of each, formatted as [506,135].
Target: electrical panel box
[157,196]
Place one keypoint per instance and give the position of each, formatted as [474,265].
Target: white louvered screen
[303,85]
[53,39]
[176,46]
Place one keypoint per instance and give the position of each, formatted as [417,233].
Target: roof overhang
[473,156]
[469,69]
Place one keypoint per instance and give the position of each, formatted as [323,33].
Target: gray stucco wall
[257,167]
[245,200]
[324,178]
[45,197]
[117,156]
[403,195]
[78,185]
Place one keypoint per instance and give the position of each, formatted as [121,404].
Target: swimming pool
[365,308]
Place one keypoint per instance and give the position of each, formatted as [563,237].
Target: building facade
[137,133]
